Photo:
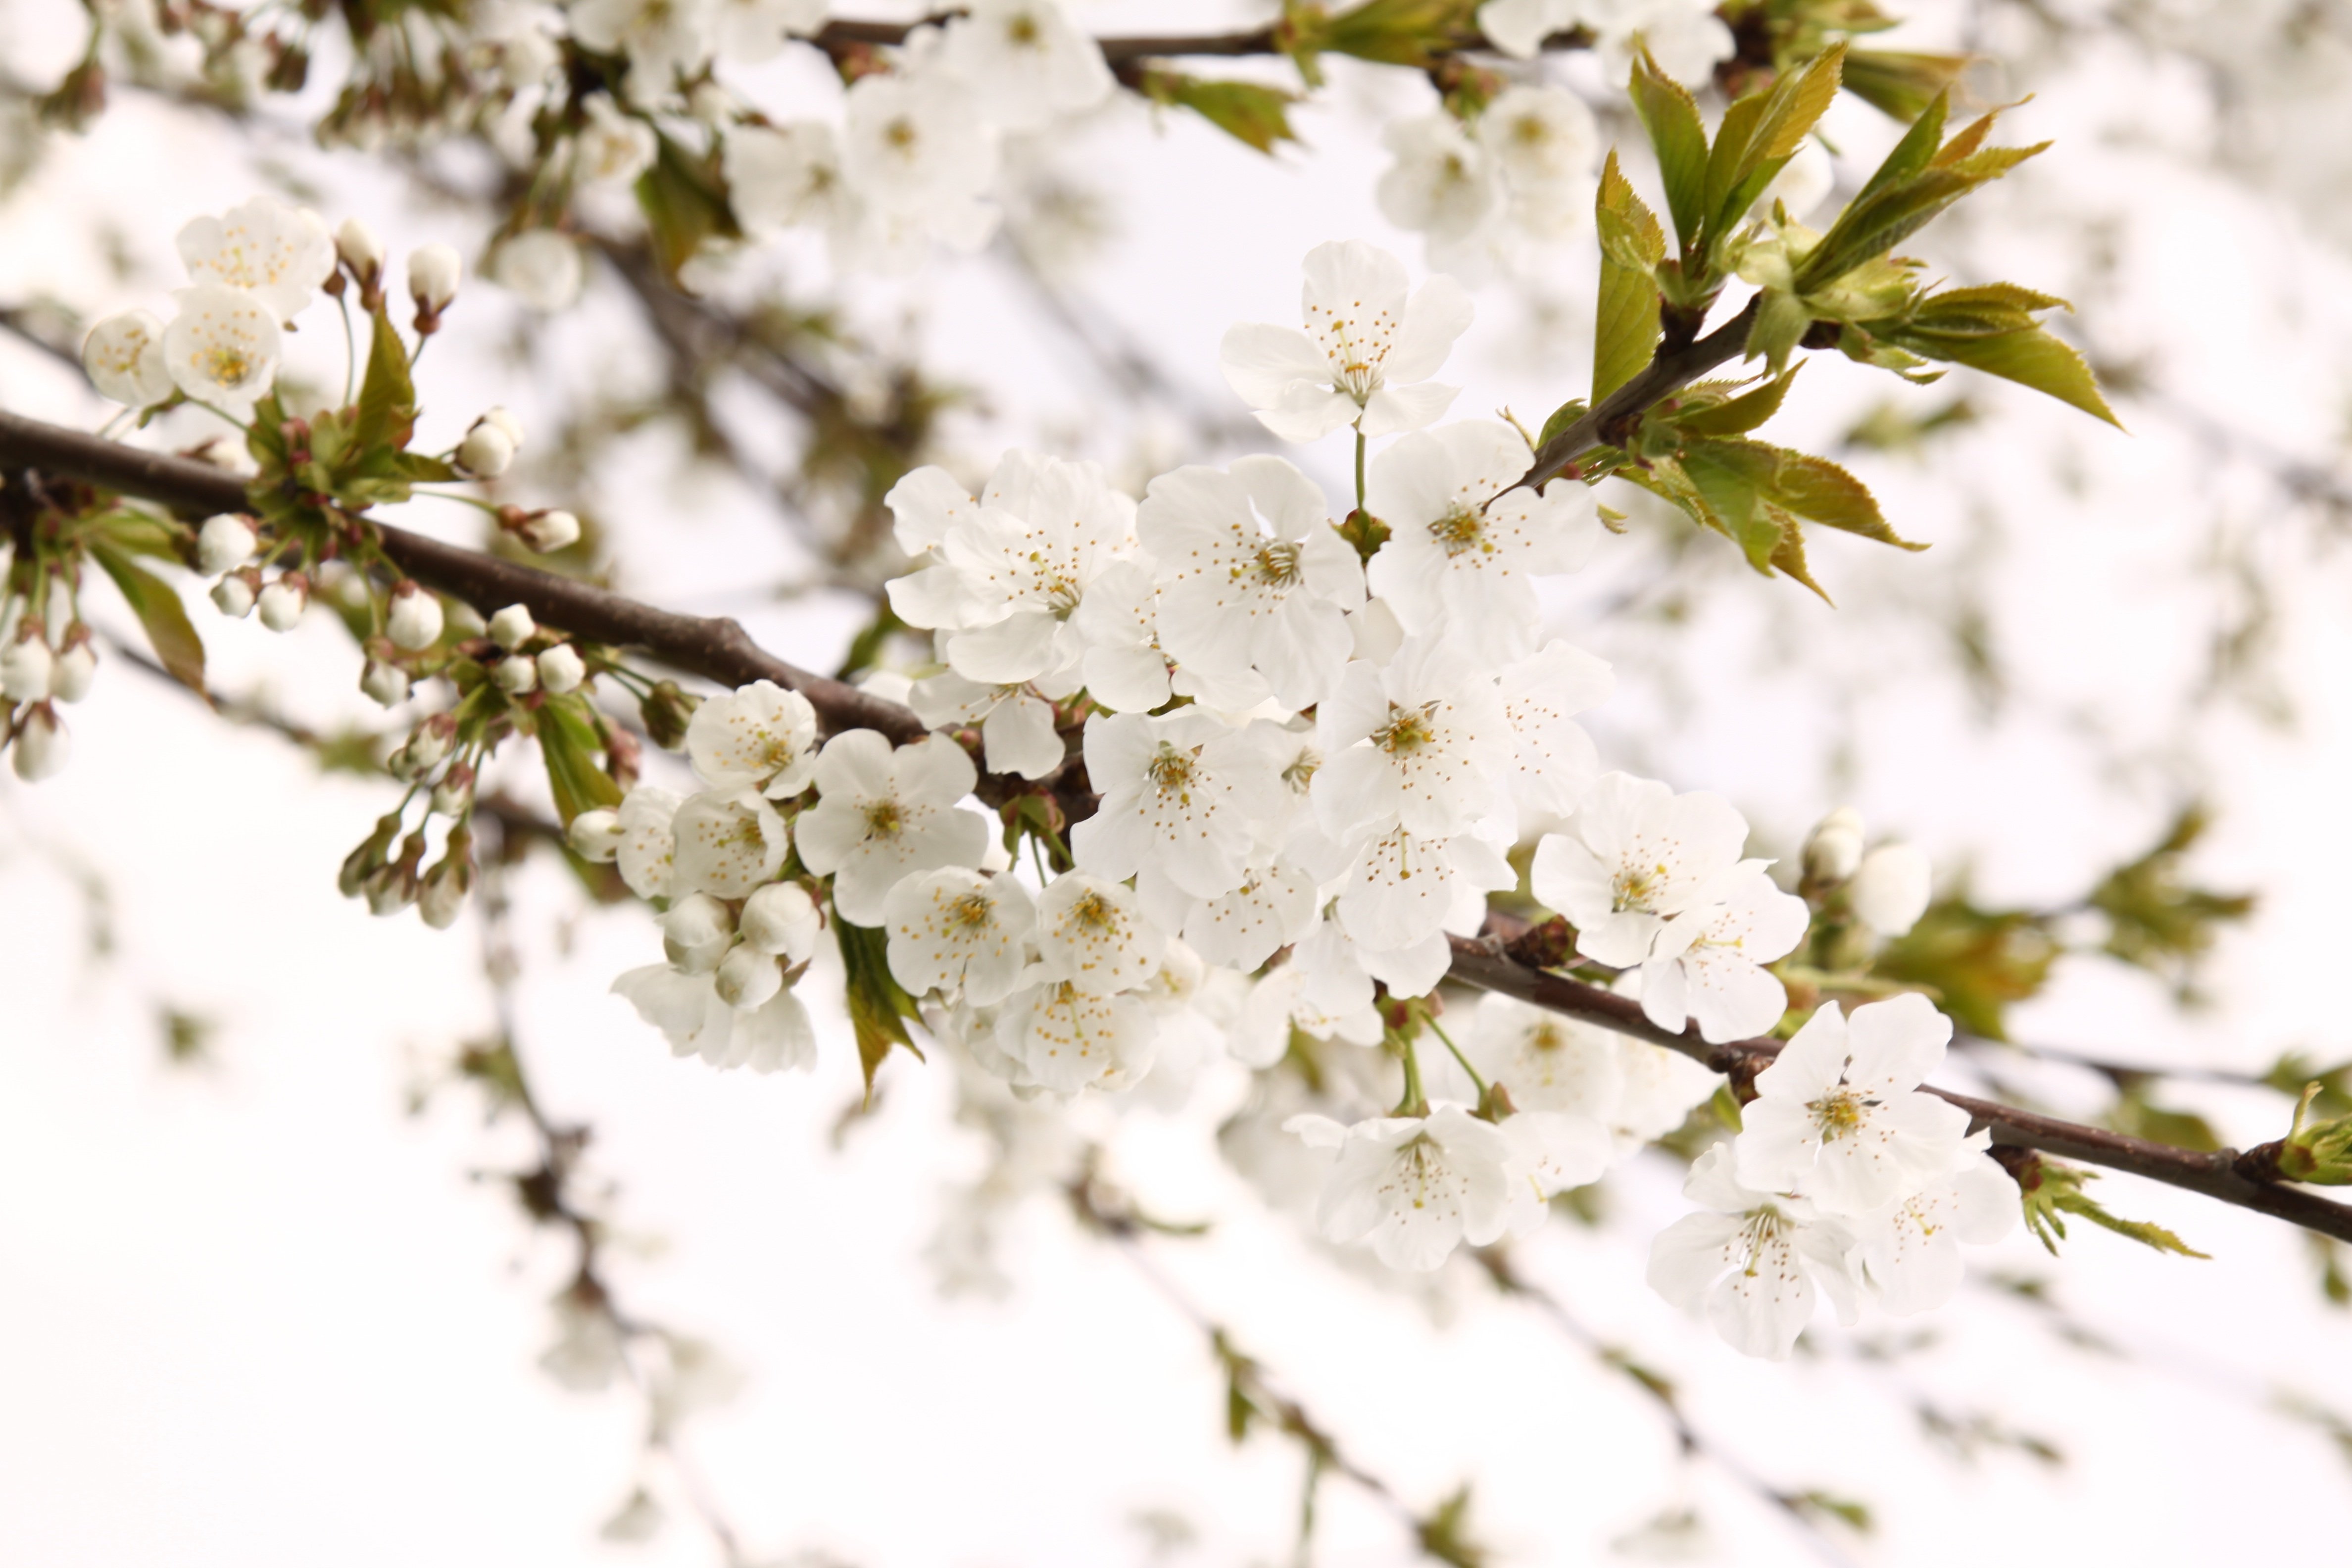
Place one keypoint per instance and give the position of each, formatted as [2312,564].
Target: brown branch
[2223,1174]
[842,37]
[1607,424]
[712,647]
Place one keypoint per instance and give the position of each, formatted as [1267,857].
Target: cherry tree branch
[1607,423]
[842,37]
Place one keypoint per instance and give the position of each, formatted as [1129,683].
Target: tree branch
[839,37]
[1667,374]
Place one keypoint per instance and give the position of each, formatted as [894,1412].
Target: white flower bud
[75,668]
[428,746]
[414,621]
[387,683]
[548,531]
[516,673]
[781,919]
[42,745]
[441,901]
[432,274]
[561,669]
[283,602]
[507,424]
[1891,889]
[359,250]
[596,836]
[454,795]
[513,626]
[234,596]
[26,665]
[748,978]
[697,931]
[1834,847]
[486,452]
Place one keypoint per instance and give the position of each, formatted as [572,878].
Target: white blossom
[71,674]
[1752,1262]
[548,531]
[646,849]
[1441,184]
[1177,795]
[125,358]
[1281,1002]
[1024,62]
[960,933]
[662,38]
[1017,729]
[746,978]
[1554,761]
[486,452]
[1092,934]
[759,737]
[1636,854]
[25,667]
[1833,849]
[1274,906]
[885,814]
[1250,567]
[751,31]
[1366,356]
[697,932]
[596,836]
[516,675]
[1891,888]
[1418,743]
[1839,1117]
[1542,141]
[282,602]
[783,176]
[1464,547]
[42,744]
[1065,1037]
[1548,1062]
[686,1008]
[1415,1186]
[386,684]
[1910,1251]
[781,919]
[917,152]
[1551,1152]
[1706,963]
[1404,887]
[221,348]
[614,147]
[1662,1088]
[357,246]
[434,273]
[540,267]
[277,253]
[728,843]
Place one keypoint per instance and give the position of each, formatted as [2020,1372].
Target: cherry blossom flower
[221,348]
[959,933]
[1017,730]
[783,176]
[1662,1088]
[1274,906]
[1833,849]
[1891,888]
[1910,1251]
[728,842]
[1276,592]
[662,38]
[1403,888]
[1547,1061]
[543,268]
[42,745]
[614,147]
[1464,547]
[1539,137]
[1417,744]
[645,849]
[1443,184]
[1555,761]
[1065,1037]
[697,1022]
[1092,934]
[561,669]
[748,31]
[1280,1002]
[917,151]
[1178,794]
[1415,1186]
[758,737]
[125,358]
[414,617]
[697,932]
[1024,62]
[1366,356]
[882,814]
[277,253]
[1706,963]
[1633,855]
[781,919]
[1551,1152]
[1752,1263]
[1838,1116]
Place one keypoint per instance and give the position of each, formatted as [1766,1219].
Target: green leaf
[1760,133]
[137,533]
[1845,1511]
[1411,33]
[569,743]
[1625,324]
[1253,115]
[1874,223]
[2157,919]
[2029,356]
[1901,85]
[685,203]
[161,615]
[1679,135]
[878,1006]
[1913,152]
[387,406]
[1974,961]
[1738,416]
[1819,491]
[1731,476]
[2048,1189]
[1565,414]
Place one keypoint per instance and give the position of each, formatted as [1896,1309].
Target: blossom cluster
[46,657]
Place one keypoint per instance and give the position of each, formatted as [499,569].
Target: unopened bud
[283,602]
[234,594]
[75,668]
[486,452]
[561,669]
[516,674]
[42,744]
[394,886]
[359,250]
[26,665]
[504,419]
[666,710]
[414,618]
[596,836]
[1834,849]
[783,921]
[454,795]
[697,931]
[446,885]
[226,540]
[428,745]
[432,274]
[1891,888]
[513,626]
[747,978]
[548,531]
[362,861]
[387,683]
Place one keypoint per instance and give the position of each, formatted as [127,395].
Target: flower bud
[75,668]
[283,602]
[747,978]
[226,540]
[26,665]
[781,919]
[359,250]
[561,669]
[42,744]
[234,594]
[486,452]
[432,274]
[444,888]
[387,683]
[1891,888]
[513,626]
[454,795]
[393,888]
[516,674]
[665,711]
[548,531]
[697,931]
[1834,849]
[362,862]
[596,836]
[510,426]
[413,619]
[427,747]
[2316,1152]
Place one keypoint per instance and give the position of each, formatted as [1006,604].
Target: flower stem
[1359,470]
[1414,1102]
[1476,1082]
[351,350]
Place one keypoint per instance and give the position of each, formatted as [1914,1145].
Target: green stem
[1476,1082]
[350,347]
[1359,469]
[1414,1102]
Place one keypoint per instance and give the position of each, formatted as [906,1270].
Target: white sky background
[255,1314]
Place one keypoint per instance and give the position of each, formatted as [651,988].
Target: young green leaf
[387,406]
[1901,85]
[1737,415]
[685,203]
[569,744]
[878,1006]
[1625,322]
[2029,357]
[1251,114]
[1679,136]
[1759,133]
[2048,1190]
[161,615]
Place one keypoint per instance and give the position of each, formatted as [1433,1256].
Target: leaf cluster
[2050,1191]
[2157,919]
